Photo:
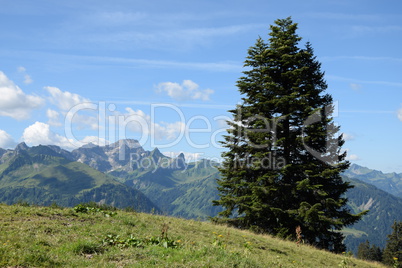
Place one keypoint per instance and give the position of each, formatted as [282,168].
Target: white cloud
[130,32]
[65,100]
[399,113]
[363,29]
[27,78]
[83,118]
[139,122]
[188,90]
[352,157]
[348,137]
[227,66]
[6,141]
[40,133]
[168,131]
[343,16]
[54,117]
[113,18]
[355,86]
[14,102]
[84,121]
[352,80]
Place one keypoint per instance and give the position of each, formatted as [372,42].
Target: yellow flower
[395,258]
[178,241]
[220,235]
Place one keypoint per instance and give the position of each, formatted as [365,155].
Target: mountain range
[124,174]
[47,174]
[388,182]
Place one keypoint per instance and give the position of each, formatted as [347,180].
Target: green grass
[61,237]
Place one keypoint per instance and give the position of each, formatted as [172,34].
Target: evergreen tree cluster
[393,251]
[369,252]
[283,161]
[391,255]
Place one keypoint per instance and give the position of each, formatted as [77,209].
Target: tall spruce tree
[283,161]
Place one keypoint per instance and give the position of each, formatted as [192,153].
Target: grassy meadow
[85,236]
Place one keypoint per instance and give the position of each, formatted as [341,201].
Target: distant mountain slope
[389,182]
[185,192]
[43,175]
[176,187]
[384,209]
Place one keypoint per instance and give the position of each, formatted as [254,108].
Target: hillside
[186,192]
[43,175]
[384,209]
[62,237]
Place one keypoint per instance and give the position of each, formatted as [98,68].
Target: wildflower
[178,241]
[395,258]
[220,235]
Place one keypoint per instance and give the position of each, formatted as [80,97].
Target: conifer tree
[393,250]
[369,252]
[283,161]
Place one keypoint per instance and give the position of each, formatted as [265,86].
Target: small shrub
[92,207]
[55,205]
[132,241]
[23,203]
[129,209]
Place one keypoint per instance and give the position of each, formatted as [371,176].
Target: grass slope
[62,237]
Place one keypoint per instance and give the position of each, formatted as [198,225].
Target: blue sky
[164,72]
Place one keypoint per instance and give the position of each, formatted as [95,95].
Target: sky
[165,72]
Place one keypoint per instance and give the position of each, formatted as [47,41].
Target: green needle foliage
[393,250]
[283,161]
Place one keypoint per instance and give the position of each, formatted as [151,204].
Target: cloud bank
[187,90]
[14,102]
